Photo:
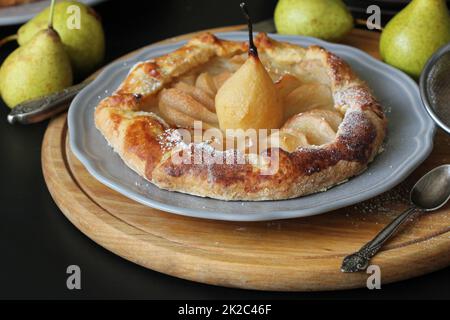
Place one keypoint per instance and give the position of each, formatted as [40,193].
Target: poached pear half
[248,99]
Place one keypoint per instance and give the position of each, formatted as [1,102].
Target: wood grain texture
[293,255]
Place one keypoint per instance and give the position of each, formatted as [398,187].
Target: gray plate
[22,13]
[409,143]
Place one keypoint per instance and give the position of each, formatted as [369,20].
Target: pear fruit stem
[8,39]
[252,50]
[51,15]
[50,25]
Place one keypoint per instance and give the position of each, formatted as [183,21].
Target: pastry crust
[146,142]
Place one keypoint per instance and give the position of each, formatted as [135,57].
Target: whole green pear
[325,19]
[36,69]
[85,46]
[414,34]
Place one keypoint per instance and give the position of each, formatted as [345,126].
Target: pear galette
[330,125]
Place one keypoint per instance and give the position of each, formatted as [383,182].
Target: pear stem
[252,50]
[8,39]
[52,13]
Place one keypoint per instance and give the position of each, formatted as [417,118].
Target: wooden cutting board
[293,255]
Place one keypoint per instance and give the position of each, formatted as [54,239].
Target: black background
[37,243]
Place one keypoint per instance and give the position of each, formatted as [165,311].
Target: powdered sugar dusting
[203,152]
[393,200]
[353,97]
[353,119]
[170,139]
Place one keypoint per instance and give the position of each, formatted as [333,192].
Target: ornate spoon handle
[43,108]
[359,261]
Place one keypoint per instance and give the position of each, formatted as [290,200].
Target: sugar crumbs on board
[388,202]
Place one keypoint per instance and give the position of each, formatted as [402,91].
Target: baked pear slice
[316,129]
[307,97]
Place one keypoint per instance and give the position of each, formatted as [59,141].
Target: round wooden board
[292,255]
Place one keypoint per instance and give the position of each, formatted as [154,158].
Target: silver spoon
[430,193]
[40,109]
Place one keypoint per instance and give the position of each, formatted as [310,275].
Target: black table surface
[37,242]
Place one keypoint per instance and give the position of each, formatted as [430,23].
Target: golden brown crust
[146,143]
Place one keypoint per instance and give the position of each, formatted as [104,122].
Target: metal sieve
[435,87]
